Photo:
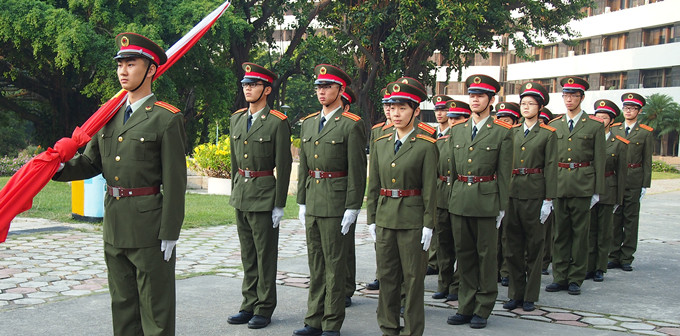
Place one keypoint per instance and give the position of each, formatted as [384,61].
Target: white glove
[594,200]
[546,208]
[61,166]
[348,219]
[301,214]
[371,230]
[277,214]
[616,206]
[499,218]
[642,193]
[427,238]
[166,247]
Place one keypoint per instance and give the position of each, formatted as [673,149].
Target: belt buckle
[246,173]
[448,179]
[522,171]
[115,192]
[394,193]
[572,165]
[317,174]
[470,179]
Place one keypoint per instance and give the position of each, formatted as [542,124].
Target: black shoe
[348,301]
[330,333]
[528,306]
[598,276]
[375,285]
[477,322]
[259,322]
[545,271]
[613,264]
[242,317]
[555,287]
[574,289]
[459,319]
[452,297]
[505,281]
[589,275]
[308,331]
[431,271]
[512,304]
[439,295]
[626,267]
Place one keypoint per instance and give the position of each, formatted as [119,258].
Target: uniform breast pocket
[105,142]
[335,148]
[141,145]
[263,146]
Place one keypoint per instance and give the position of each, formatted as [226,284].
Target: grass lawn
[664,175]
[54,203]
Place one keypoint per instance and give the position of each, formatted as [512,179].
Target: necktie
[128,113]
[397,145]
[440,135]
[323,120]
[627,130]
[474,132]
[526,132]
[250,122]
[571,125]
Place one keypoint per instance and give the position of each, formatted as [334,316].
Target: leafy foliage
[663,167]
[214,159]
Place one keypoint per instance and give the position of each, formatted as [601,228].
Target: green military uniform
[146,152]
[331,179]
[627,216]
[601,215]
[401,201]
[480,169]
[580,174]
[533,180]
[256,151]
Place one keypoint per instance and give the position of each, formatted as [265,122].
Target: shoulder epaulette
[378,125]
[502,123]
[549,128]
[278,114]
[311,115]
[383,137]
[351,116]
[427,128]
[388,126]
[459,122]
[556,118]
[595,118]
[167,106]
[240,110]
[647,127]
[516,125]
[617,124]
[425,137]
[624,140]
[443,137]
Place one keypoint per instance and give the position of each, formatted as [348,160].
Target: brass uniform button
[569,160]
[120,139]
[333,142]
[471,148]
[394,180]
[245,142]
[613,154]
[142,139]
[394,164]
[569,139]
[316,142]
[316,156]
[117,158]
[521,161]
[487,148]
[469,160]
[116,178]
[317,181]
[524,148]
[245,156]
[569,149]
[469,173]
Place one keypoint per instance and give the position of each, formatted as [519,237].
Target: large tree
[663,114]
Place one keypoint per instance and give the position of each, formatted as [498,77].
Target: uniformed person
[544,118]
[260,144]
[421,127]
[580,181]
[532,187]
[627,216]
[401,207]
[139,152]
[601,215]
[331,185]
[480,168]
[348,97]
[508,112]
[449,279]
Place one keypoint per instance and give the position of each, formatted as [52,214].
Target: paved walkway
[43,264]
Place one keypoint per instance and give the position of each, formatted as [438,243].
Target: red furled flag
[17,195]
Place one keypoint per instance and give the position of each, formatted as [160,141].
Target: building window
[614,42]
[581,48]
[613,81]
[659,35]
[654,78]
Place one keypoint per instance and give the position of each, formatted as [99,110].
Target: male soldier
[580,180]
[421,127]
[331,184]
[260,142]
[140,151]
[480,168]
[348,97]
[448,282]
[627,216]
[544,118]
[532,187]
[601,215]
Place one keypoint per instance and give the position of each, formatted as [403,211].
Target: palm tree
[663,114]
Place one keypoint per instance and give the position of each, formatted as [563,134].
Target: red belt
[252,173]
[446,179]
[129,192]
[609,173]
[475,179]
[322,174]
[396,193]
[634,165]
[572,165]
[524,171]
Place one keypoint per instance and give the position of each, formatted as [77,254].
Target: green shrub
[213,160]
[10,165]
[663,167]
[295,142]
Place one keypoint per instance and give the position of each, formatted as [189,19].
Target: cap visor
[249,80]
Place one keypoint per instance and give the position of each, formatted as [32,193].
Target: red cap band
[260,76]
[137,49]
[331,78]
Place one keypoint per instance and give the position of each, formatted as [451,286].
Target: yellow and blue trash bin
[87,199]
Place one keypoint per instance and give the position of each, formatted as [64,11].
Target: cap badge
[248,68]
[124,41]
[570,81]
[453,104]
[602,103]
[477,80]
[439,99]
[502,106]
[529,86]
[405,81]
[322,70]
[630,96]
[396,88]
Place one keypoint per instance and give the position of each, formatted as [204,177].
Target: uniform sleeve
[429,191]
[373,192]
[356,166]
[232,154]
[283,161]
[647,161]
[600,159]
[82,166]
[550,167]
[173,177]
[504,169]
[621,172]
[302,169]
